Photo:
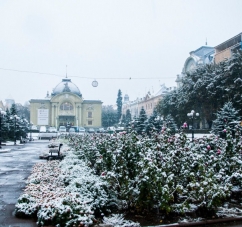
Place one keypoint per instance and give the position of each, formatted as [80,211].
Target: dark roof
[203,51]
[230,42]
[91,101]
[39,100]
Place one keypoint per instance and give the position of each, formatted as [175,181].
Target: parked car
[111,129]
[62,129]
[76,128]
[101,130]
[42,129]
[91,130]
[52,129]
[34,127]
[82,130]
[72,130]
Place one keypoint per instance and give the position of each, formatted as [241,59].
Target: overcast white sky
[106,40]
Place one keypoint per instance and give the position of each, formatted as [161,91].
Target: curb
[200,223]
[4,150]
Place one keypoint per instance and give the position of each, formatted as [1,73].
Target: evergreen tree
[13,110]
[128,117]
[16,129]
[141,121]
[23,111]
[155,122]
[119,105]
[206,89]
[9,125]
[123,120]
[109,116]
[170,123]
[4,128]
[224,117]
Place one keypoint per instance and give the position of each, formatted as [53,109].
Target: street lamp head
[197,114]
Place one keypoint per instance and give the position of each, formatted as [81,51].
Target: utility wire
[103,78]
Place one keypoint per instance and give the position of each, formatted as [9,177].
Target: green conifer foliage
[224,117]
[141,121]
[119,105]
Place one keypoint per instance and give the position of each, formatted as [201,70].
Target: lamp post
[193,116]
[30,130]
[2,113]
[15,121]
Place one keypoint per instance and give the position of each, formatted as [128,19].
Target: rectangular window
[89,122]
[89,114]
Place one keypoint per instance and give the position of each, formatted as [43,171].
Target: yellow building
[66,106]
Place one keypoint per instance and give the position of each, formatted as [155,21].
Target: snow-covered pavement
[15,166]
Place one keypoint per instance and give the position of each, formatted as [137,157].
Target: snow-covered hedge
[126,171]
[165,172]
[65,193]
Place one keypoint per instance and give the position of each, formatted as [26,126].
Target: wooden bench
[54,152]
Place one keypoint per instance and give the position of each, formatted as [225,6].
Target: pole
[192,129]
[14,130]
[30,132]
[0,131]
[192,116]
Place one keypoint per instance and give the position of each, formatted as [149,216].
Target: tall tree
[141,121]
[128,117]
[155,122]
[170,124]
[119,105]
[123,121]
[109,116]
[23,111]
[13,109]
[4,126]
[206,90]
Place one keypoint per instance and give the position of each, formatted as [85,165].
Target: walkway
[15,166]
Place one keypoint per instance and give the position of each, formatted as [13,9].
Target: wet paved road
[15,167]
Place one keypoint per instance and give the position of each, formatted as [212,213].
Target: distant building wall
[224,50]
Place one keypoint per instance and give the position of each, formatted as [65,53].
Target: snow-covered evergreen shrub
[224,117]
[128,171]
[66,194]
[163,171]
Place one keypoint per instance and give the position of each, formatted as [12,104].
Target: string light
[82,77]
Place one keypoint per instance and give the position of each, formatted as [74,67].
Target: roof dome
[66,86]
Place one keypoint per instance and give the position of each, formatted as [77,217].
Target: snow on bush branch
[126,171]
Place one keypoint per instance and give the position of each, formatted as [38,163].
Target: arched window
[66,106]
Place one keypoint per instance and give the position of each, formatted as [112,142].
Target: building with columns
[66,106]
[201,56]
